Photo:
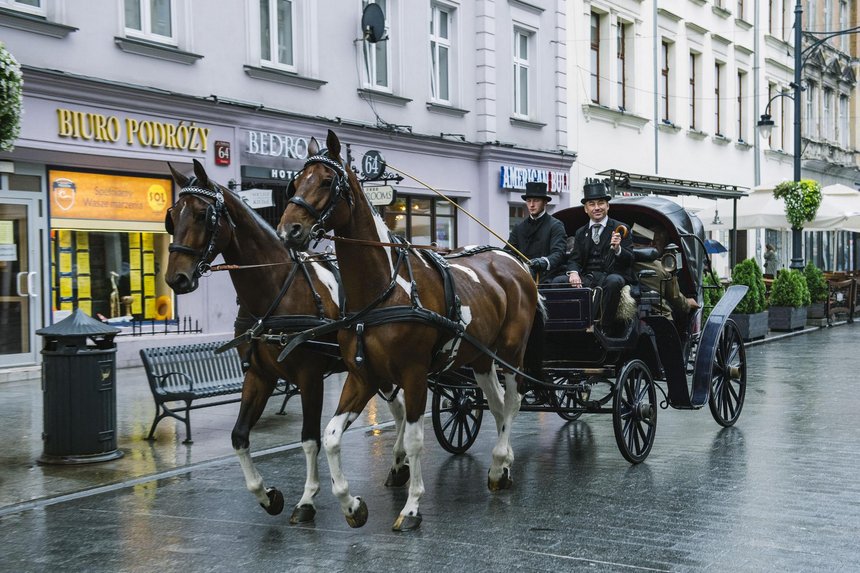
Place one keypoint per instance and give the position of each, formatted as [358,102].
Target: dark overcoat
[621,264]
[543,237]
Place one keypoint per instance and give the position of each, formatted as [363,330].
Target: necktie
[595,234]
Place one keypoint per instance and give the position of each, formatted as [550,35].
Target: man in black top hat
[540,236]
[601,256]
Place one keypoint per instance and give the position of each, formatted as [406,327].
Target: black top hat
[536,190]
[594,189]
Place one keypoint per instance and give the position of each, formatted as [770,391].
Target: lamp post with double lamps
[765,124]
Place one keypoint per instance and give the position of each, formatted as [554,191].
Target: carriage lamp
[671,259]
[765,126]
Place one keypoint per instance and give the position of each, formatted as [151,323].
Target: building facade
[469,97]
[676,90]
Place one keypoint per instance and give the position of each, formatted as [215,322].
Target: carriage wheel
[567,398]
[457,414]
[728,376]
[634,411]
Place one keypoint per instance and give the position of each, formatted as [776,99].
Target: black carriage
[688,361]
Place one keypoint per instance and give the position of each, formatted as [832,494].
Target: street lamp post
[765,124]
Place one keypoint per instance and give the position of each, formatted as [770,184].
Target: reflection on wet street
[779,491]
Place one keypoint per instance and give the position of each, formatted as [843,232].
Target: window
[770,16]
[742,78]
[440,53]
[718,101]
[595,58]
[276,34]
[150,19]
[843,23]
[376,58]
[811,15]
[692,91]
[827,120]
[842,137]
[664,81]
[30,6]
[771,88]
[522,40]
[828,15]
[783,114]
[422,220]
[810,123]
[740,14]
[621,79]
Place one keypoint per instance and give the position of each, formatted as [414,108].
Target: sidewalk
[22,480]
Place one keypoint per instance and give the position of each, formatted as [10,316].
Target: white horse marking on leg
[331,442]
[312,476]
[414,443]
[253,479]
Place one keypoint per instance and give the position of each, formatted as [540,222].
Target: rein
[339,239]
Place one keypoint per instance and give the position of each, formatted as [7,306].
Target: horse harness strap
[213,223]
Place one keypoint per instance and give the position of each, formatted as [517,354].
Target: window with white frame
[811,14]
[843,23]
[771,88]
[827,120]
[522,71]
[151,20]
[740,8]
[36,7]
[440,53]
[595,57]
[277,34]
[623,44]
[664,81]
[692,94]
[843,135]
[719,114]
[377,59]
[783,121]
[740,105]
[810,121]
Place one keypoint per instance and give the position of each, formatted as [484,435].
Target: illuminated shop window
[422,220]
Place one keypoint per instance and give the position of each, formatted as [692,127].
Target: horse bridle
[337,190]
[214,212]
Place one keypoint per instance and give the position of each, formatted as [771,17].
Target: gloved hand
[538,265]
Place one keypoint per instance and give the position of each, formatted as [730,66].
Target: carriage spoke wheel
[728,376]
[568,398]
[457,414]
[634,411]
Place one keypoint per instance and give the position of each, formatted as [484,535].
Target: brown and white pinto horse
[208,219]
[497,302]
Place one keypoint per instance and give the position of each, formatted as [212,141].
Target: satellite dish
[373,23]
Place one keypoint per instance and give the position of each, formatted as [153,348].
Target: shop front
[82,206]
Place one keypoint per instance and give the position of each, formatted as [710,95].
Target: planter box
[751,326]
[815,310]
[786,318]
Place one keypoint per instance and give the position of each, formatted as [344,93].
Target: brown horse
[393,336]
[287,294]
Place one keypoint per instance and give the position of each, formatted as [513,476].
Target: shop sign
[514,177]
[90,126]
[379,194]
[257,198]
[264,143]
[103,197]
[222,153]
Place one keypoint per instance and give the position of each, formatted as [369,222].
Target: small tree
[802,199]
[789,289]
[748,273]
[816,283]
[10,99]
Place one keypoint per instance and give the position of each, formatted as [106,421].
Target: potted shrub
[818,291]
[789,298]
[751,313]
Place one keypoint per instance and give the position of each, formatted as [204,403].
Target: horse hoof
[504,482]
[358,517]
[407,522]
[276,501]
[397,478]
[303,514]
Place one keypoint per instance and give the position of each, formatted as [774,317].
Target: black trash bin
[79,391]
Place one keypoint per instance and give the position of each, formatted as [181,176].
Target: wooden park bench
[194,372]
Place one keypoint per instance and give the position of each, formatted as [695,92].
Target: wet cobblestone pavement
[777,492]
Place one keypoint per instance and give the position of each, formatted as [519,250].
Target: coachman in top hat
[601,258]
